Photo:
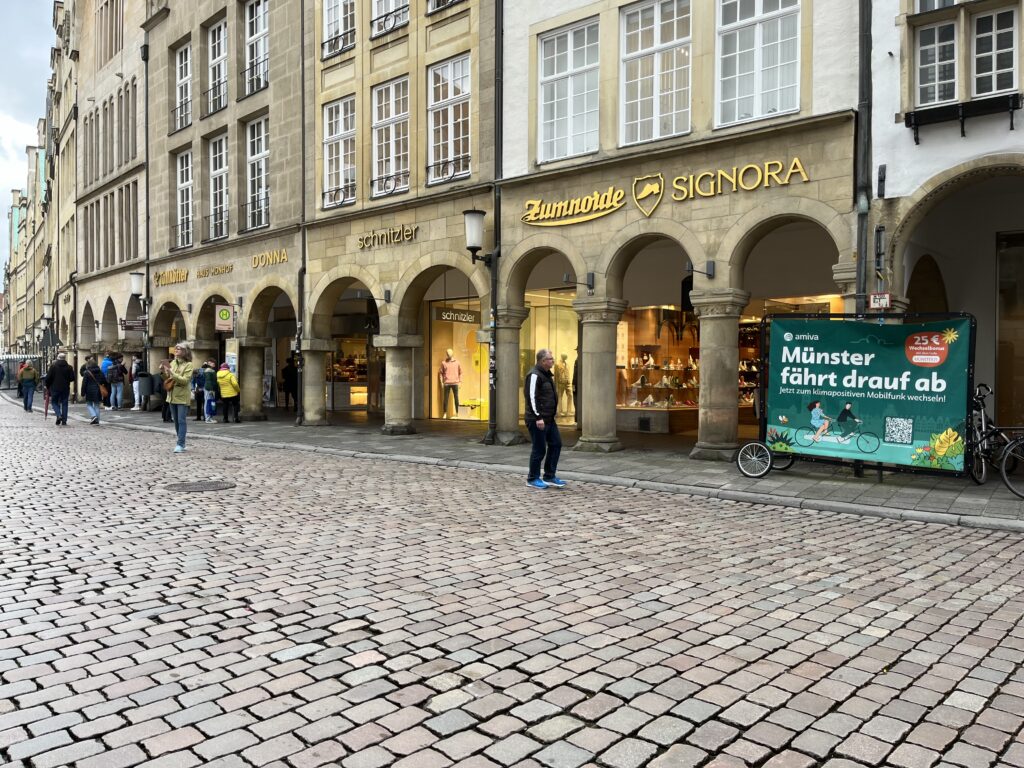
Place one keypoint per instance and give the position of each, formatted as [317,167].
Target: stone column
[398,381]
[250,379]
[718,419]
[507,328]
[314,385]
[599,317]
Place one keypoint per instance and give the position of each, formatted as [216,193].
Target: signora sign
[894,394]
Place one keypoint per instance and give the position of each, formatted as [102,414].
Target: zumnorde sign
[903,388]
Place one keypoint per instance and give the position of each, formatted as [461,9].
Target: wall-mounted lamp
[238,302]
[188,308]
[97,324]
[708,271]
[139,287]
[568,280]
[47,311]
[387,295]
[880,252]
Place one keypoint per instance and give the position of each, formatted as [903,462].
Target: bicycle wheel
[782,460]
[805,436]
[868,442]
[1012,468]
[979,462]
[754,460]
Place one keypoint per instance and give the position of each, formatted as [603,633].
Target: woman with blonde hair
[180,395]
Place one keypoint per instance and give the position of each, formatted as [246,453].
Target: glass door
[1010,348]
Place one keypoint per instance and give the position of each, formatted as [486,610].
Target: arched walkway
[87,332]
[109,330]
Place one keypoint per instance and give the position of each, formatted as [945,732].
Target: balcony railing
[216,224]
[439,5]
[339,196]
[255,213]
[389,21]
[448,170]
[215,98]
[181,234]
[383,186]
[181,116]
[340,43]
[256,77]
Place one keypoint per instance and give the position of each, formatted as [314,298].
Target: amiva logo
[800,336]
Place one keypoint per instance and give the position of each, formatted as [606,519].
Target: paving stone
[512,749]
[680,756]
[562,754]
[629,753]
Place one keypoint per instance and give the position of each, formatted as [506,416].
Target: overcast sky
[26,36]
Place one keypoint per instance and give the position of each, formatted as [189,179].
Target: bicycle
[987,440]
[1012,466]
[867,442]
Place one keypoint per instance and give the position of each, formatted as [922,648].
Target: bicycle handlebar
[982,391]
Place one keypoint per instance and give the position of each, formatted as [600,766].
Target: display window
[552,324]
[457,361]
[348,375]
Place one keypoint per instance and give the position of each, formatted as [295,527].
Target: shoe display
[538,483]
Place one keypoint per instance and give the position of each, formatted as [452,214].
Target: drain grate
[230,458]
[200,487]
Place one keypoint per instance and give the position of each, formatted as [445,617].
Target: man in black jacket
[541,405]
[58,380]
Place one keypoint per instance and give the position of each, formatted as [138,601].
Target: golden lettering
[771,171]
[574,210]
[702,193]
[743,175]
[724,175]
[796,167]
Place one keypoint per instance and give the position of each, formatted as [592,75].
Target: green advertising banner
[854,390]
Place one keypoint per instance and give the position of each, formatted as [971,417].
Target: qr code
[899,431]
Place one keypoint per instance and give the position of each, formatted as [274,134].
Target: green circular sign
[224,314]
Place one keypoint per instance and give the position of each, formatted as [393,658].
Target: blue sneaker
[538,483]
[556,482]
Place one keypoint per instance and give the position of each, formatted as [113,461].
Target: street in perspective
[240,605]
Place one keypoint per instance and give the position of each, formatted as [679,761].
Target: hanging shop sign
[895,394]
[170,277]
[224,318]
[391,236]
[269,258]
[451,315]
[648,192]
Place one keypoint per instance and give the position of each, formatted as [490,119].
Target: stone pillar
[718,419]
[250,379]
[398,381]
[599,317]
[314,390]
[507,328]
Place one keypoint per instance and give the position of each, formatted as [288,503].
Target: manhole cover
[231,458]
[201,487]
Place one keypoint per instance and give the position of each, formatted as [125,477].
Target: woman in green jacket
[180,371]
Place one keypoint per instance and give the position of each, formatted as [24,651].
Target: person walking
[210,387]
[93,383]
[58,380]
[229,392]
[290,377]
[180,370]
[108,360]
[2,374]
[116,374]
[29,380]
[541,405]
[138,370]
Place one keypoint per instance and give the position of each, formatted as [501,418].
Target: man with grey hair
[541,405]
[59,380]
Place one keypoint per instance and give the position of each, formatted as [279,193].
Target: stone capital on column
[594,309]
[727,302]
[391,340]
[317,345]
[511,317]
[254,341]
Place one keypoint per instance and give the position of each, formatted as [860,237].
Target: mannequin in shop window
[450,374]
[562,386]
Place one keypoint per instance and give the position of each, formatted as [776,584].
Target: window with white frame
[340,152]
[339,26]
[218,187]
[389,15]
[758,59]
[936,64]
[995,52]
[257,50]
[183,87]
[448,93]
[655,70]
[390,138]
[569,84]
[438,5]
[183,176]
[217,41]
[257,207]
[924,6]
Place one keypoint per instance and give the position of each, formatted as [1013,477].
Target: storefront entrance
[354,367]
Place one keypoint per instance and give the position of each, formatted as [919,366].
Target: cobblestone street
[353,612]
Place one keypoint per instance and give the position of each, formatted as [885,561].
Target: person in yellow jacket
[180,396]
[229,392]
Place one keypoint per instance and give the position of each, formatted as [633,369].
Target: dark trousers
[547,440]
[231,404]
[453,389]
[59,401]
[200,396]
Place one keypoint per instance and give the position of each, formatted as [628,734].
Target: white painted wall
[941,147]
[834,48]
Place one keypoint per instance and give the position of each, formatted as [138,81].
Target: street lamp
[473,220]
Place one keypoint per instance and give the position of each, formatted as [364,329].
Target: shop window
[390,138]
[340,152]
[569,90]
[448,115]
[339,27]
[182,88]
[758,59]
[388,15]
[217,72]
[655,70]
[256,75]
[457,362]
[554,325]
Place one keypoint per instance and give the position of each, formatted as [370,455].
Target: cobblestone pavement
[357,612]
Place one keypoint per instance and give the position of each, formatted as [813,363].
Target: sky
[26,36]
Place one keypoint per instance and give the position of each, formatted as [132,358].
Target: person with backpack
[229,392]
[116,374]
[196,385]
[138,370]
[28,378]
[211,389]
[58,380]
[93,385]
